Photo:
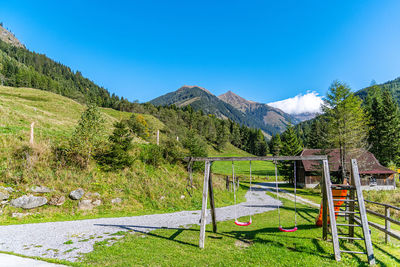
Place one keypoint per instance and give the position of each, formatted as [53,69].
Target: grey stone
[40,189]
[4,196]
[182,196]
[28,202]
[77,194]
[85,204]
[92,195]
[20,215]
[8,189]
[116,200]
[57,200]
[96,202]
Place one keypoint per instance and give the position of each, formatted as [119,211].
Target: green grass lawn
[258,244]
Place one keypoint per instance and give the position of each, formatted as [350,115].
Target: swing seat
[243,223]
[288,230]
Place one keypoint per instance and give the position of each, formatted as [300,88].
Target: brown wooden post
[387,224]
[212,204]
[204,205]
[227,182]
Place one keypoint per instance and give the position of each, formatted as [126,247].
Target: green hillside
[142,187]
[393,86]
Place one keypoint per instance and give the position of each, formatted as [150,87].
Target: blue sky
[262,50]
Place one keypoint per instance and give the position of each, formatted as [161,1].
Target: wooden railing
[387,218]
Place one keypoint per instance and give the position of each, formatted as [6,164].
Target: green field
[260,169]
[258,244]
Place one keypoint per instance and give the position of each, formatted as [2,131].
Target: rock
[28,202]
[20,215]
[92,195]
[4,202]
[116,200]
[40,189]
[77,194]
[57,200]
[4,196]
[182,196]
[85,204]
[96,202]
[8,189]
[162,197]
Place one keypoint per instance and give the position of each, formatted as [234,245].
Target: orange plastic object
[337,194]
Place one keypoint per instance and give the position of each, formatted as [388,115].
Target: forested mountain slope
[393,86]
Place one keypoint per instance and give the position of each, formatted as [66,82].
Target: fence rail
[387,218]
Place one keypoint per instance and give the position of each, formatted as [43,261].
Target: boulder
[77,194]
[85,204]
[116,200]
[28,202]
[40,189]
[4,196]
[57,200]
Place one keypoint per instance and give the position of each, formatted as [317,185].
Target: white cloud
[310,102]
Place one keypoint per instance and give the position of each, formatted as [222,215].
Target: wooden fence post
[158,137]
[387,224]
[227,182]
[31,141]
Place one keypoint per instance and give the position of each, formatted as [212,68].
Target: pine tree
[291,146]
[117,157]
[276,145]
[346,120]
[384,136]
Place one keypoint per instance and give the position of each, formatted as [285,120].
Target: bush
[87,137]
[172,151]
[151,154]
[138,126]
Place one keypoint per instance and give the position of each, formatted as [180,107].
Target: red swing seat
[243,223]
[287,230]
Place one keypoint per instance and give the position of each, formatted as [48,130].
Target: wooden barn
[373,175]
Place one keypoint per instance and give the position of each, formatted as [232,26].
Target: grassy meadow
[144,189]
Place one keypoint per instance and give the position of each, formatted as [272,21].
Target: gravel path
[69,240]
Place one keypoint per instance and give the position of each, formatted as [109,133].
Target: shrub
[151,154]
[87,137]
[138,125]
[172,151]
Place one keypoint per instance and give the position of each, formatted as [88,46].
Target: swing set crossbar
[280,158]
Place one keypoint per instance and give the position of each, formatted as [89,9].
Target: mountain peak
[8,37]
[236,100]
[184,87]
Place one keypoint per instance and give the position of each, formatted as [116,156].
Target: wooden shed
[373,175]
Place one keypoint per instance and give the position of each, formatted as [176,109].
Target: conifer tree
[118,157]
[346,120]
[291,146]
[384,136]
[276,145]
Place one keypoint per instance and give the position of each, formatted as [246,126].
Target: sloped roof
[367,163]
